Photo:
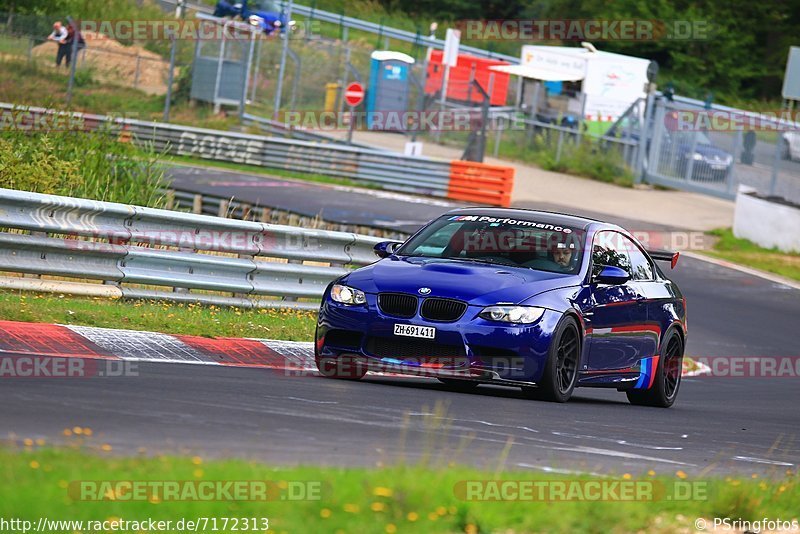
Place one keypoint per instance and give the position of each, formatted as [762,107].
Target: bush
[584,158]
[91,165]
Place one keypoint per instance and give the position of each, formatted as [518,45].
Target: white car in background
[790,145]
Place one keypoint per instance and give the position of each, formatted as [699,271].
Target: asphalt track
[718,425]
[345,205]
[339,204]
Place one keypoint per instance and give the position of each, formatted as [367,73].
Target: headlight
[697,156]
[255,20]
[277,24]
[512,314]
[347,295]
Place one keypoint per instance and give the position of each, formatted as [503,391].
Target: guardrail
[279,129]
[390,170]
[204,203]
[138,252]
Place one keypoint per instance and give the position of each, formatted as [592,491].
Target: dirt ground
[116,63]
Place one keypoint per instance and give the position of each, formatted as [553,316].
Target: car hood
[476,283]
[269,16]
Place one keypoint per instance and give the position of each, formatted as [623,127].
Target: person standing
[60,35]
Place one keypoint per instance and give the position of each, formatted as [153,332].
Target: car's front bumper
[470,348]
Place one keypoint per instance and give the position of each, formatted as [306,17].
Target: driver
[563,254]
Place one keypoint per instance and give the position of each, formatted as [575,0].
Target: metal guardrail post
[197,204]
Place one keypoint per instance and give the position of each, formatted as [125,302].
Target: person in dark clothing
[72,34]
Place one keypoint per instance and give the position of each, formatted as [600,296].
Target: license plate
[718,167]
[410,330]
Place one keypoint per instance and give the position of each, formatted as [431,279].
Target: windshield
[508,242]
[686,138]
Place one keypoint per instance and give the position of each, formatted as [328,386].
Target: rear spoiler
[665,255]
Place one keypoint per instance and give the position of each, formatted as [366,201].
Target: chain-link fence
[100,59]
[715,149]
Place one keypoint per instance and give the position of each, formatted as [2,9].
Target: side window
[610,249]
[642,270]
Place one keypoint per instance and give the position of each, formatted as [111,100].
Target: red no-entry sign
[354,94]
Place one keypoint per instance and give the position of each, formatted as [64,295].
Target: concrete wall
[766,223]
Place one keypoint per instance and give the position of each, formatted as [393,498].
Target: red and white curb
[69,341]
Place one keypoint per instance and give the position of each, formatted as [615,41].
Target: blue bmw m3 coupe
[542,301]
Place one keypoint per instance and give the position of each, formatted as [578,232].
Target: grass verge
[170,318]
[403,498]
[744,252]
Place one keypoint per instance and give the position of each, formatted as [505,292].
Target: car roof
[546,217]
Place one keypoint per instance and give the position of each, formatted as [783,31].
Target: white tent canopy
[538,73]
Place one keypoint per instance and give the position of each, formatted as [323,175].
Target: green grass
[171,318]
[587,159]
[31,84]
[401,498]
[744,252]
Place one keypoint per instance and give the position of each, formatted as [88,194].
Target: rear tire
[458,384]
[560,373]
[667,380]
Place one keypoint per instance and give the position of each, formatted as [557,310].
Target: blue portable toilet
[389,87]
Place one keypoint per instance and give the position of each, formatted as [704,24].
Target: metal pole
[644,135]
[73,60]
[249,62]
[442,99]
[499,134]
[776,161]
[258,65]
[220,59]
[350,128]
[298,70]
[737,142]
[168,101]
[282,68]
[690,166]
[560,143]
[340,95]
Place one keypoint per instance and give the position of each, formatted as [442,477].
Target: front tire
[560,373]
[667,381]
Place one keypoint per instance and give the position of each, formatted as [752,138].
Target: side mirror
[386,248]
[612,275]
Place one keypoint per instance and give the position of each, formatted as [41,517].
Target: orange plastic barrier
[479,182]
